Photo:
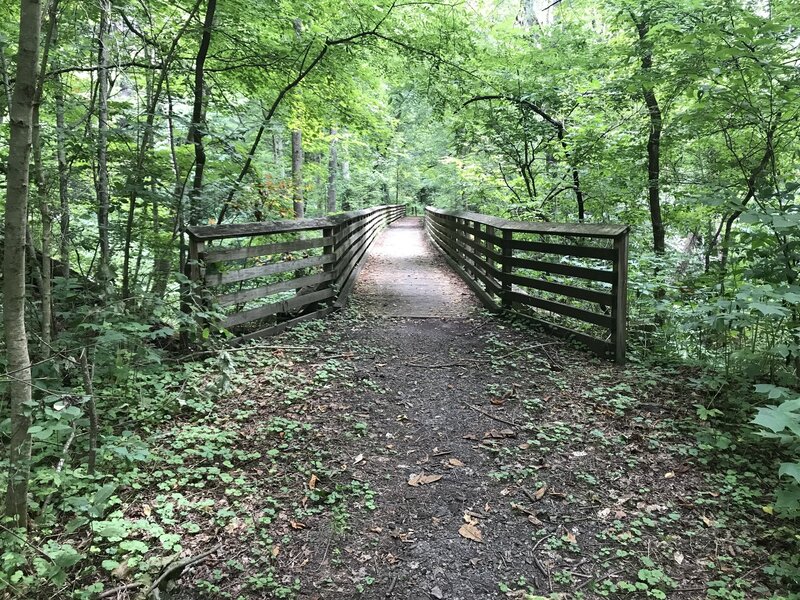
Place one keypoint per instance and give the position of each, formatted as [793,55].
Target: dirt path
[461,458]
[405,277]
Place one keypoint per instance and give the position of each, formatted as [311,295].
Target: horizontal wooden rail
[550,272]
[265,277]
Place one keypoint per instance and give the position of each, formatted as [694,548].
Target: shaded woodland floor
[372,456]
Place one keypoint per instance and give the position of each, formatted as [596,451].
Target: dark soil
[580,478]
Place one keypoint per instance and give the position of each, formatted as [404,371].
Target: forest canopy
[123,123]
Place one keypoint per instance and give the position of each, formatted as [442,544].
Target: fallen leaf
[539,494]
[358,459]
[603,512]
[121,570]
[454,462]
[524,446]
[436,592]
[416,479]
[469,531]
[534,520]
[620,514]
[312,483]
[570,537]
[678,556]
[376,529]
[297,525]
[276,549]
[707,521]
[498,401]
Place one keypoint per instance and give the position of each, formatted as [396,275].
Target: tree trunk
[63,171]
[197,130]
[136,179]
[297,174]
[277,152]
[16,214]
[346,182]
[104,268]
[332,166]
[654,136]
[46,290]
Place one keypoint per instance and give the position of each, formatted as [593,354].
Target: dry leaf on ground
[416,479]
[470,532]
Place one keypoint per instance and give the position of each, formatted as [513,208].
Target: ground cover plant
[145,455]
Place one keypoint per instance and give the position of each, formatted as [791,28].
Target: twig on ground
[435,366]
[490,416]
[391,586]
[180,565]
[539,564]
[121,588]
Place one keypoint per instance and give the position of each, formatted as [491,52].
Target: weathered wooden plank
[345,247]
[348,262]
[483,235]
[560,269]
[269,269]
[284,306]
[478,247]
[232,230]
[484,297]
[226,254]
[565,249]
[492,286]
[571,291]
[273,288]
[619,311]
[563,309]
[598,230]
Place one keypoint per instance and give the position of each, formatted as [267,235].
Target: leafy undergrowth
[616,482]
[642,488]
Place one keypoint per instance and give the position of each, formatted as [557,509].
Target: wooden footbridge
[265,277]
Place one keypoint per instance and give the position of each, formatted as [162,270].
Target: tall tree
[16,213]
[103,199]
[332,166]
[197,130]
[642,24]
[297,174]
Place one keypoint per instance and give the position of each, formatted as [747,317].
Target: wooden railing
[570,277]
[268,276]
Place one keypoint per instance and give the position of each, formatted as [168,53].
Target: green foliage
[781,422]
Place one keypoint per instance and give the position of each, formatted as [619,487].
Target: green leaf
[790,469]
[110,529]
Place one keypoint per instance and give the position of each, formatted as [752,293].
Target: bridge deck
[405,276]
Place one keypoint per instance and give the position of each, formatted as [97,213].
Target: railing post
[619,290]
[508,253]
[195,270]
[331,266]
